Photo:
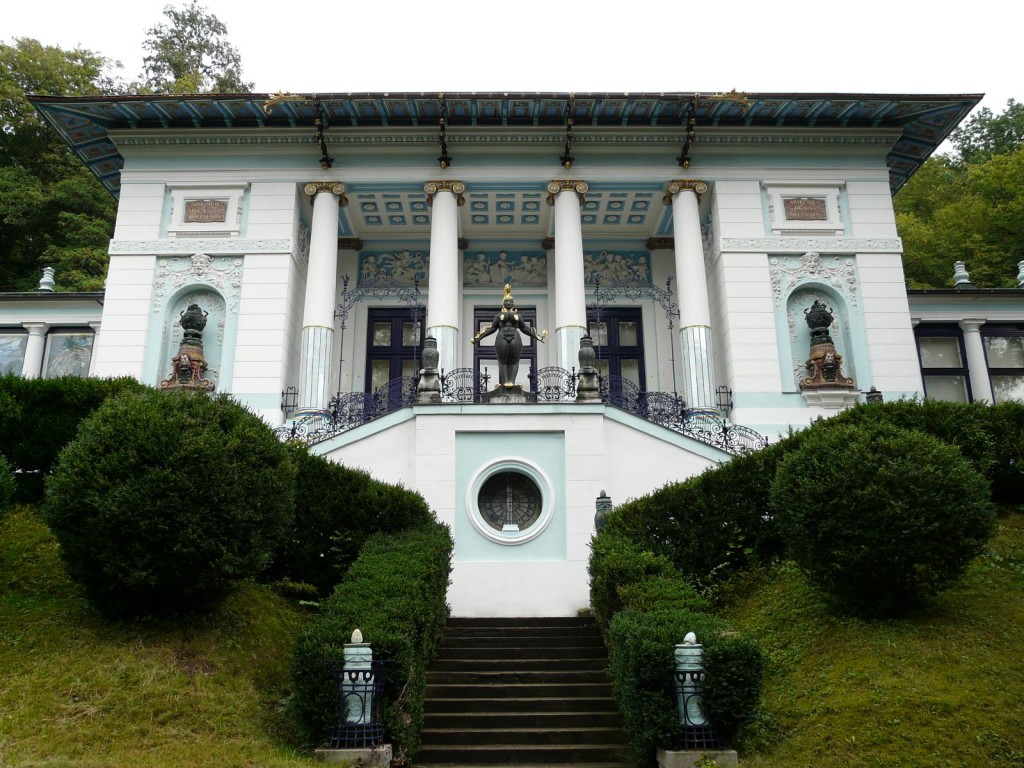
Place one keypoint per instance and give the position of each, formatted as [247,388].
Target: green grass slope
[944,687]
[78,691]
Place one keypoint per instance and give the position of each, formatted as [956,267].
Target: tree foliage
[969,207]
[53,212]
[191,54]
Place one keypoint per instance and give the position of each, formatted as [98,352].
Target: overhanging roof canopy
[84,122]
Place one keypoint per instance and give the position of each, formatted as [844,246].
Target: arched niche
[211,302]
[799,301]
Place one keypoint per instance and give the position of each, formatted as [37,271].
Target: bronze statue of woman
[508,346]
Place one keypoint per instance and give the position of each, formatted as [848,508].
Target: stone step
[503,664]
[517,754]
[466,705]
[512,631]
[515,677]
[534,718]
[592,736]
[518,652]
[534,690]
[525,641]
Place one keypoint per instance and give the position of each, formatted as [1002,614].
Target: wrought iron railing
[548,385]
[697,732]
[360,690]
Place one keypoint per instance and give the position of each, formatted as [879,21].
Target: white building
[687,234]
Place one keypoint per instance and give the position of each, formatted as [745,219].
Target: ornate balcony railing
[548,385]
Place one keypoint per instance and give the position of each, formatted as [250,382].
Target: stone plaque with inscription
[805,209]
[206,211]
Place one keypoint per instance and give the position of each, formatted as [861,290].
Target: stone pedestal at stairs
[523,692]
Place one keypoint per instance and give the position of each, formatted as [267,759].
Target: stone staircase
[521,692]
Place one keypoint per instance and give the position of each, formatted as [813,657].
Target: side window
[1004,351]
[12,351]
[68,353]
[943,363]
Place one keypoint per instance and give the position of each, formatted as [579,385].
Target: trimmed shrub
[336,510]
[1008,467]
[164,499]
[6,484]
[395,594]
[878,516]
[712,525]
[38,417]
[615,563]
[642,667]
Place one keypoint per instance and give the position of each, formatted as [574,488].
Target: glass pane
[409,368]
[951,388]
[12,352]
[602,367]
[1006,388]
[627,334]
[410,337]
[381,374]
[68,354]
[939,352]
[382,334]
[630,369]
[1005,351]
[599,333]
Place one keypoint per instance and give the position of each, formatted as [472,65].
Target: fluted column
[443,306]
[321,287]
[34,347]
[570,280]
[692,287]
[977,366]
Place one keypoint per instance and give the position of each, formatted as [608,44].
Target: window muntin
[392,346]
[1004,351]
[943,363]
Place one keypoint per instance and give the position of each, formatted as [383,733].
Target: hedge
[395,594]
[878,516]
[165,499]
[336,509]
[38,417]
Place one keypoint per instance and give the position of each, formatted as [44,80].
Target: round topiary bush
[164,499]
[879,516]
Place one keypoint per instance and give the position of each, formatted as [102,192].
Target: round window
[510,502]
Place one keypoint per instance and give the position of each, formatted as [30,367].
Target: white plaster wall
[871,212]
[139,211]
[127,313]
[419,451]
[892,350]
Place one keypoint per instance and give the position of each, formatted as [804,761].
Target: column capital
[313,188]
[971,324]
[682,185]
[445,185]
[566,185]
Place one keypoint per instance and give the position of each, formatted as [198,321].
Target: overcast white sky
[563,45]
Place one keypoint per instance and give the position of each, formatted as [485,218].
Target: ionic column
[443,306]
[570,279]
[692,287]
[95,325]
[321,287]
[977,367]
[34,346]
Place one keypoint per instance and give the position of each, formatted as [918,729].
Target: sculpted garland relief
[221,272]
[788,273]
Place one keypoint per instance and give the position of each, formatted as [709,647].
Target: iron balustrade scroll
[463,385]
[350,409]
[697,732]
[549,385]
[360,690]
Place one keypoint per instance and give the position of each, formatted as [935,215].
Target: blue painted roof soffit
[84,122]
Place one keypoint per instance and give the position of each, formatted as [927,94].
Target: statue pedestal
[506,396]
[691,758]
